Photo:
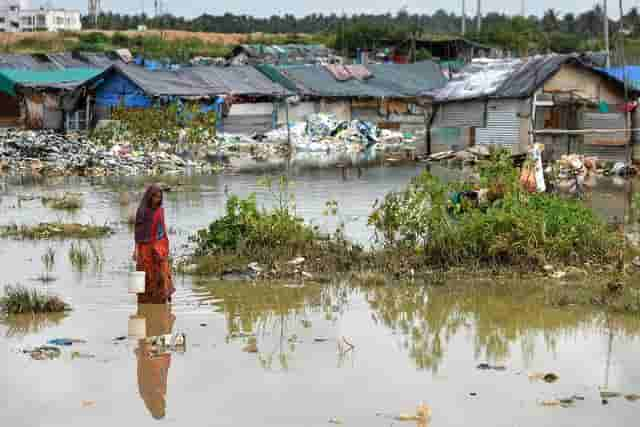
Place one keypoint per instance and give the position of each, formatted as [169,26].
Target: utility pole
[606,32]
[523,9]
[479,17]
[464,19]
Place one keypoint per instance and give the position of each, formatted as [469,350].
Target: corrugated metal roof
[25,62]
[56,61]
[526,79]
[511,78]
[239,80]
[407,79]
[66,60]
[98,60]
[202,81]
[167,83]
[315,80]
[388,81]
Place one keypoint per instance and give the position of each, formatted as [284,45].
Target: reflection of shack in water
[153,365]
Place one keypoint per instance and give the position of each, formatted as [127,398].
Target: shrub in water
[513,227]
[18,300]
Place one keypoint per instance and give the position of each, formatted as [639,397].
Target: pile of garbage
[54,154]
[575,164]
[323,132]
[50,153]
[319,133]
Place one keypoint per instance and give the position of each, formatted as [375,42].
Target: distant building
[17,16]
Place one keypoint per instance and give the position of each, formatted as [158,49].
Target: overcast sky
[194,8]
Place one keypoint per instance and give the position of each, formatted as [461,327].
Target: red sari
[153,259]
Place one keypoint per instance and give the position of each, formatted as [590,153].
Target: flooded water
[411,344]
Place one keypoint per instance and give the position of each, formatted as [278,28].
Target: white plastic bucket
[137,328]
[136,282]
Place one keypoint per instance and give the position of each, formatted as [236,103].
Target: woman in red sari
[151,252]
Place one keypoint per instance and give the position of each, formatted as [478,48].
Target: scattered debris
[65,341]
[487,367]
[550,378]
[541,376]
[320,339]
[78,355]
[120,338]
[632,397]
[423,413]
[335,420]
[609,394]
[88,403]
[252,346]
[44,353]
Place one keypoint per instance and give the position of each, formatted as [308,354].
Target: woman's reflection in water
[154,360]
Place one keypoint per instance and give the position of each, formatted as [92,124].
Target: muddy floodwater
[296,354]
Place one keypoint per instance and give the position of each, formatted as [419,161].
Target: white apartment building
[17,16]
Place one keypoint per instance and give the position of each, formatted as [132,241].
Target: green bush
[244,227]
[94,38]
[120,40]
[162,123]
[514,227]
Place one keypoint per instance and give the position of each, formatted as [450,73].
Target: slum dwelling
[48,99]
[243,98]
[384,94]
[545,99]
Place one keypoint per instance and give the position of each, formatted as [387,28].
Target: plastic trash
[65,341]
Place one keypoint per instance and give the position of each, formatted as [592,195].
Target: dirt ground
[217,38]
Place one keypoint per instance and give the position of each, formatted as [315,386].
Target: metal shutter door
[503,124]
[460,115]
[606,146]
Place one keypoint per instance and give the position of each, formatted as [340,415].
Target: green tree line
[552,32]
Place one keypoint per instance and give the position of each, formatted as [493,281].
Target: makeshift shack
[249,96]
[385,94]
[49,99]
[546,98]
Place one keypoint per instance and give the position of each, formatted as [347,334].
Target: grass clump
[19,300]
[47,230]
[511,227]
[66,201]
[79,257]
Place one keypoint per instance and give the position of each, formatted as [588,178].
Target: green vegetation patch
[46,230]
[18,299]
